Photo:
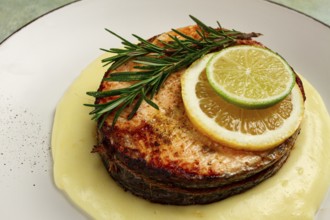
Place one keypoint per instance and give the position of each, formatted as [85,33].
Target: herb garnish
[155,64]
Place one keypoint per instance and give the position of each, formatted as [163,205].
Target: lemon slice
[250,76]
[231,125]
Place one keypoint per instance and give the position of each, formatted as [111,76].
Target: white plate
[40,61]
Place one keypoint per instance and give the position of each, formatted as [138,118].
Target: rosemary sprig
[154,66]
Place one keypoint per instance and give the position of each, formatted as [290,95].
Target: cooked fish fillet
[160,156]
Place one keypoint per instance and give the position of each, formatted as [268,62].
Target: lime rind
[242,101]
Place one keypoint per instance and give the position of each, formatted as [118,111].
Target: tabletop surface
[14,14]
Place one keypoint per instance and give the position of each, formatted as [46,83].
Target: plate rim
[75,1]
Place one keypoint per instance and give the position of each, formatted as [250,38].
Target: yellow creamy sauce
[295,192]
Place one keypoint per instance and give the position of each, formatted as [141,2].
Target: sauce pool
[295,192]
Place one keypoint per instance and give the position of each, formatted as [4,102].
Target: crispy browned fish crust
[160,156]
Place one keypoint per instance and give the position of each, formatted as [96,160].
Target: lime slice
[250,76]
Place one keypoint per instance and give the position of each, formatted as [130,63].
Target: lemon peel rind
[242,101]
[210,128]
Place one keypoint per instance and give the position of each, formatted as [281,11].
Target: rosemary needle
[155,64]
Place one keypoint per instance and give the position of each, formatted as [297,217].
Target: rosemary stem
[155,64]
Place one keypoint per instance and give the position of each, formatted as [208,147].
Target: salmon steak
[160,156]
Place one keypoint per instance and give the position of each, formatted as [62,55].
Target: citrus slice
[231,125]
[250,76]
